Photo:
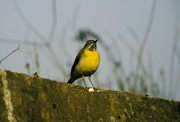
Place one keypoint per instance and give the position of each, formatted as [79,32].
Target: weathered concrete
[31,99]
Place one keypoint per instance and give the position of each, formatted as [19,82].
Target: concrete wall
[32,99]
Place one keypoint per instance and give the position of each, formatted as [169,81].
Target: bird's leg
[84,80]
[91,81]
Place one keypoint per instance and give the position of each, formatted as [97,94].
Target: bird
[86,62]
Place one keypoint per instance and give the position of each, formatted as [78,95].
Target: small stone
[91,90]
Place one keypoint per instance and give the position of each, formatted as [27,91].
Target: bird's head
[90,45]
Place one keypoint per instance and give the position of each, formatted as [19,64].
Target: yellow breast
[88,63]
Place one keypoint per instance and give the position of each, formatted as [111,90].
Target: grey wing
[75,64]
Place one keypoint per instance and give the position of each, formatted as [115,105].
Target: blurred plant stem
[36,58]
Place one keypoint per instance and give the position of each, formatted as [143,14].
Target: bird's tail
[71,80]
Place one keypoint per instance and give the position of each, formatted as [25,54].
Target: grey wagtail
[86,62]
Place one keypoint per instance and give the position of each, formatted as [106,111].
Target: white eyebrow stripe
[90,45]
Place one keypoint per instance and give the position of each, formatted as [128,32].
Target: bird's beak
[96,40]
